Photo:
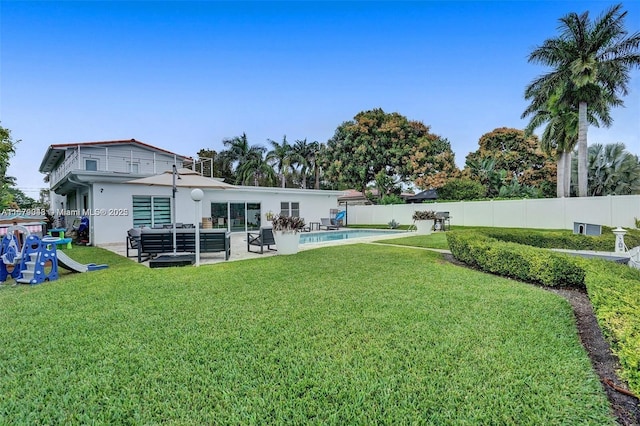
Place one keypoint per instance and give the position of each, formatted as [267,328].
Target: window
[290,209]
[91,165]
[151,211]
[133,167]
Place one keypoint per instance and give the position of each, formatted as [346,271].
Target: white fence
[546,213]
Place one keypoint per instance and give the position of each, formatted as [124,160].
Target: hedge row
[514,260]
[563,238]
[614,291]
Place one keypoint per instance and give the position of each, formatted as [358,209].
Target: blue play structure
[32,260]
[39,262]
[11,253]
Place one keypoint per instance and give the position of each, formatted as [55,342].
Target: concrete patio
[239,248]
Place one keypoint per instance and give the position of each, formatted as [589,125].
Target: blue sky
[186,75]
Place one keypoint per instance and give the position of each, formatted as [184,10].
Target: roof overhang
[51,159]
[55,153]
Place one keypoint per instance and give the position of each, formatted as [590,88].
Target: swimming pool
[346,234]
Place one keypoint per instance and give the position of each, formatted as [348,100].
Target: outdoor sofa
[155,241]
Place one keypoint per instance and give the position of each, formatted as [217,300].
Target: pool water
[323,237]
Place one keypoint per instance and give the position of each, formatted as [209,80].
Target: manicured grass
[355,334]
[437,240]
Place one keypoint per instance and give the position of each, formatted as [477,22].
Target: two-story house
[77,172]
[88,179]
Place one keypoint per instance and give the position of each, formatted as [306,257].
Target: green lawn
[358,334]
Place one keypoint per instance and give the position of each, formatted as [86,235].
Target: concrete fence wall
[547,213]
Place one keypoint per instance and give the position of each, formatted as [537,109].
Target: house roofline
[118,142]
[64,146]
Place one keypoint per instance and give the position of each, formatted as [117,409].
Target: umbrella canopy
[185,178]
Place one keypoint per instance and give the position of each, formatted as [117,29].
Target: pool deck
[239,247]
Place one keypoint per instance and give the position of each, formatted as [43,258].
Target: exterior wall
[548,213]
[118,158]
[117,199]
[115,158]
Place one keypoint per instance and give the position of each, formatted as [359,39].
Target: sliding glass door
[236,217]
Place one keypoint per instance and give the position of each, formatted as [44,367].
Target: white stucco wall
[548,213]
[117,198]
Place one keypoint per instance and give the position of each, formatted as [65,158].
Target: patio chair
[325,223]
[261,239]
[133,241]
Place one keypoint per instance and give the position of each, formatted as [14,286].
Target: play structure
[30,259]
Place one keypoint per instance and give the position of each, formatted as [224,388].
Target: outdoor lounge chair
[325,223]
[133,241]
[261,239]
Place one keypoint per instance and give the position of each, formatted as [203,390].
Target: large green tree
[376,143]
[7,149]
[507,153]
[591,63]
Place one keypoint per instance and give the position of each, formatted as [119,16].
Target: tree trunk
[567,173]
[317,174]
[582,149]
[560,176]
[283,179]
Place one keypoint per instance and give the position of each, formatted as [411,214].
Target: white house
[88,179]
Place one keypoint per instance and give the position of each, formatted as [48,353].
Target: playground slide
[71,265]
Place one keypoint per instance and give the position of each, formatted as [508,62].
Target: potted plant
[424,220]
[285,232]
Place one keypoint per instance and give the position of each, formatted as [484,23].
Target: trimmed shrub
[614,290]
[514,260]
[562,238]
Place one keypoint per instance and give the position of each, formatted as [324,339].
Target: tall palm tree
[281,156]
[591,62]
[560,135]
[306,156]
[256,170]
[244,156]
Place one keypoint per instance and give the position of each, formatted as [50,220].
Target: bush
[563,238]
[614,290]
[462,189]
[391,199]
[515,260]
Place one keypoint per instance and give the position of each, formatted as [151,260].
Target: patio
[239,248]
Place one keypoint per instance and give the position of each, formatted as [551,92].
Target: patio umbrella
[183,178]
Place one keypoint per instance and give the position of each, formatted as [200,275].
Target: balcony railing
[69,163]
[136,163]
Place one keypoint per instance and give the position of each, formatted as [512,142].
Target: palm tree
[307,156]
[281,157]
[613,170]
[256,170]
[591,64]
[244,156]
